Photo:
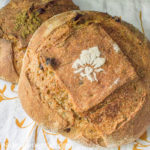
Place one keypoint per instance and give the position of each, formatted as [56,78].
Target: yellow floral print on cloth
[5,144]
[142,143]
[19,132]
[2,94]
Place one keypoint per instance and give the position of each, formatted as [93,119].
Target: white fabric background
[10,110]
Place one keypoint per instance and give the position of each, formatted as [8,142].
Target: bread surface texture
[86,76]
[18,21]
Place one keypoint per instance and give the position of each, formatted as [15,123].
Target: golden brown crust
[120,117]
[19,20]
[58,123]
[139,55]
[42,113]
[133,129]
[7,71]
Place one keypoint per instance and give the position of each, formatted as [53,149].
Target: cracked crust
[18,21]
[120,117]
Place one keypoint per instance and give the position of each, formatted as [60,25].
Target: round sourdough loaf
[86,75]
[18,21]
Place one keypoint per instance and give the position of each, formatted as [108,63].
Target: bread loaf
[86,76]
[18,21]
